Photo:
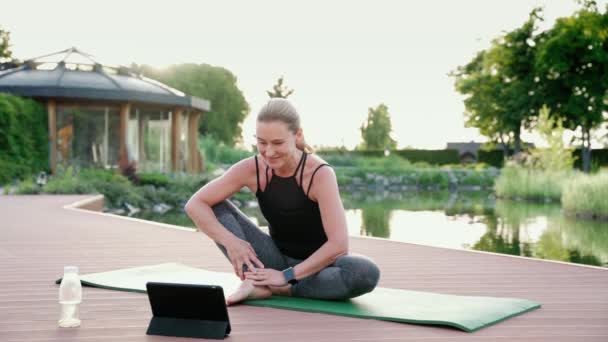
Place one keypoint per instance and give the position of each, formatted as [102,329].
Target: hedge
[23,138]
[434,157]
[495,158]
[599,157]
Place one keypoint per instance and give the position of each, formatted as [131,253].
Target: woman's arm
[199,210]
[327,195]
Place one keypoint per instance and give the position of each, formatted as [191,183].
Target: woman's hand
[267,276]
[241,253]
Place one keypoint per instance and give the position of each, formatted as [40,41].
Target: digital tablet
[188,310]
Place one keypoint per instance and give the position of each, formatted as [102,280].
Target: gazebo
[109,116]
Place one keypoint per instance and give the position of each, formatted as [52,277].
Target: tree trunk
[586,151]
[517,141]
[505,149]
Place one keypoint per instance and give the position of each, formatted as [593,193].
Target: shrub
[216,152]
[11,170]
[116,188]
[27,187]
[155,179]
[433,177]
[66,182]
[556,157]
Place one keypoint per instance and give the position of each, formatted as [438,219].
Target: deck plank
[38,237]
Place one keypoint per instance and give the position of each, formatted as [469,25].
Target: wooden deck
[38,236]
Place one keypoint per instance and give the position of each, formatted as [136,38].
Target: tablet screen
[202,302]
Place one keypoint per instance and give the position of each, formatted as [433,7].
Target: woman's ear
[300,139]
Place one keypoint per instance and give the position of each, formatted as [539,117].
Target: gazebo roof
[76,75]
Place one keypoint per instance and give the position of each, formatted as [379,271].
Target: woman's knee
[221,208]
[225,215]
[370,275]
[362,273]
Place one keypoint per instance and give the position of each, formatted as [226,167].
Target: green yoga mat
[463,312]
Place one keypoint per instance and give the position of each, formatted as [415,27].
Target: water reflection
[376,221]
[478,221]
[468,220]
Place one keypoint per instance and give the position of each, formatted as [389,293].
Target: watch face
[290,276]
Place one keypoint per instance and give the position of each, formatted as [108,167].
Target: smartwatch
[290,276]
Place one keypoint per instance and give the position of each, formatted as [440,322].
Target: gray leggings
[349,276]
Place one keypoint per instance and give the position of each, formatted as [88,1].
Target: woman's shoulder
[319,167]
[322,176]
[245,166]
[315,161]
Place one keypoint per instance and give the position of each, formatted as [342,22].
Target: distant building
[468,150]
[109,116]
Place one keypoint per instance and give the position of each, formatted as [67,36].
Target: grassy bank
[587,196]
[370,170]
[580,194]
[396,171]
[517,182]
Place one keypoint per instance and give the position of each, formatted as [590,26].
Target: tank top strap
[305,156]
[313,177]
[257,172]
[266,173]
[300,163]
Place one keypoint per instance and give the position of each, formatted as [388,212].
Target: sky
[340,57]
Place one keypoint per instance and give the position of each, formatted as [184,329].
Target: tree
[556,157]
[501,85]
[376,130]
[216,84]
[279,90]
[482,107]
[573,62]
[5,52]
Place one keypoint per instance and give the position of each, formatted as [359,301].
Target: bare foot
[248,291]
[284,290]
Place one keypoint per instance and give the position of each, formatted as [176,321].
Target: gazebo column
[175,135]
[141,127]
[195,163]
[51,108]
[122,136]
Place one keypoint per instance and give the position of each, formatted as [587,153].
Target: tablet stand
[181,327]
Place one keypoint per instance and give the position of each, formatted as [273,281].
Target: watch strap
[290,276]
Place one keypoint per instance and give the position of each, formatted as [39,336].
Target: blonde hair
[279,109]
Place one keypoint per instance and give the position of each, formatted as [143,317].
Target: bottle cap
[70,269]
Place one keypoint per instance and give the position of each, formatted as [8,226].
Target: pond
[471,220]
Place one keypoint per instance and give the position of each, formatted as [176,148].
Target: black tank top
[294,219]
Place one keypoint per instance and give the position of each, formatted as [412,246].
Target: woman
[306,253]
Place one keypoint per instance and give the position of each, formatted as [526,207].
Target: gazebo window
[154,140]
[88,136]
